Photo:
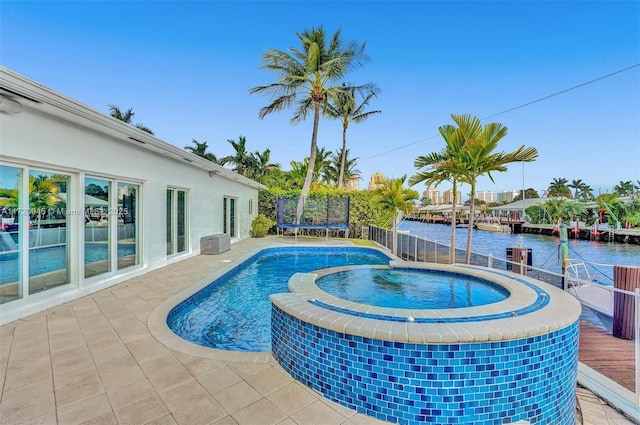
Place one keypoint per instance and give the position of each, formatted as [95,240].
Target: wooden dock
[610,356]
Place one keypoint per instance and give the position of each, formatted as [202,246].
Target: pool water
[234,312]
[411,288]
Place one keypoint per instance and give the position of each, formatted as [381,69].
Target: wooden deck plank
[612,357]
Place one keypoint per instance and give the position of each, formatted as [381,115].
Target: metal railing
[413,248]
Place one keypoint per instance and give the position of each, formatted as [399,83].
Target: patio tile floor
[95,361]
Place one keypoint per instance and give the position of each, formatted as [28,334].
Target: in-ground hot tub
[503,362]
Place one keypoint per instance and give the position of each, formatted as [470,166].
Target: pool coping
[306,300]
[157,321]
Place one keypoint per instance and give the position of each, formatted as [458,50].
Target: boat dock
[610,356]
[587,233]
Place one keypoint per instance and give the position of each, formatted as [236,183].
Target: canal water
[600,256]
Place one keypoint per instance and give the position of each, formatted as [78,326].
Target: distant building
[447,197]
[508,196]
[375,178]
[353,183]
[433,196]
[486,196]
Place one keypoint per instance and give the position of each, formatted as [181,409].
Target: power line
[515,107]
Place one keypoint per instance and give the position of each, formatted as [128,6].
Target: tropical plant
[572,209]
[200,149]
[242,160]
[262,166]
[126,116]
[438,167]
[331,169]
[392,199]
[576,185]
[554,209]
[558,188]
[624,188]
[581,190]
[304,78]
[343,106]
[529,193]
[478,157]
[260,226]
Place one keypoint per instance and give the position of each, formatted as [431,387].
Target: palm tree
[586,192]
[558,187]
[263,166]
[344,108]
[126,116]
[576,185]
[331,170]
[393,198]
[624,188]
[200,149]
[478,157]
[304,78]
[242,160]
[438,167]
[573,209]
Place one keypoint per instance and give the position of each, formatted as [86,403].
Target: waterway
[600,256]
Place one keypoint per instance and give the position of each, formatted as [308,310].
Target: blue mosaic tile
[531,379]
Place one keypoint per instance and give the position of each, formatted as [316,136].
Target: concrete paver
[95,360]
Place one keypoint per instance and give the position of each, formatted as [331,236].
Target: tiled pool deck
[95,361]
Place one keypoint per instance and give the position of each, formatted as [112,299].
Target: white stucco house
[88,201]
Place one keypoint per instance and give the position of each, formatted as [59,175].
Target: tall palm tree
[331,170]
[576,185]
[126,116]
[393,198]
[242,160]
[304,78]
[438,167]
[263,166]
[479,158]
[344,107]
[200,149]
[559,187]
[624,188]
[586,192]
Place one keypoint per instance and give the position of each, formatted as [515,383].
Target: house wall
[39,140]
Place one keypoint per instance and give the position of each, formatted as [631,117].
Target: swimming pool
[233,312]
[411,288]
[503,362]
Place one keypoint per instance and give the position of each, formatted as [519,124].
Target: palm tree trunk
[452,249]
[343,157]
[312,161]
[470,230]
[394,234]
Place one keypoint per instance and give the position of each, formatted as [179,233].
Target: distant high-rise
[447,196]
[375,178]
[486,196]
[508,196]
[433,196]
[353,183]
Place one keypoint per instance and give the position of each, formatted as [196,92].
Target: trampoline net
[317,213]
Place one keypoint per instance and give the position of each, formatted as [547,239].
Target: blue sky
[186,69]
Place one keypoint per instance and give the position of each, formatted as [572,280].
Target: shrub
[261,225]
